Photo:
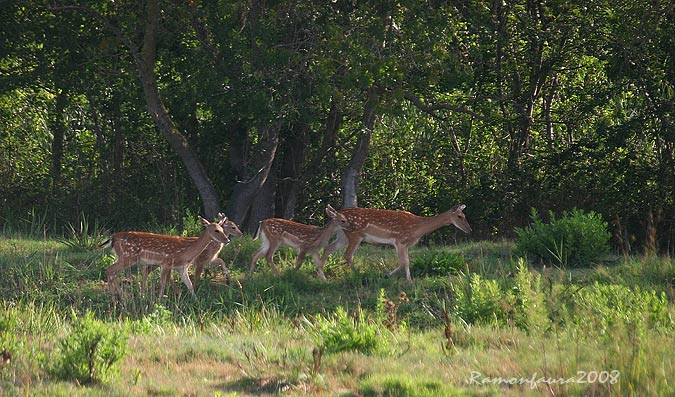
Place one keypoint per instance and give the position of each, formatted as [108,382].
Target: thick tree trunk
[250,183]
[145,63]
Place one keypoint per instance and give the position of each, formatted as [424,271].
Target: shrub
[527,300]
[578,238]
[340,332]
[435,263]
[480,301]
[91,353]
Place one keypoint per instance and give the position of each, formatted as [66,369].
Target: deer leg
[183,271]
[403,261]
[199,268]
[111,274]
[339,242]
[262,251]
[319,265]
[225,271]
[299,259]
[270,257]
[351,248]
[164,278]
[146,271]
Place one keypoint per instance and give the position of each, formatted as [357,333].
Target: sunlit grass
[255,337]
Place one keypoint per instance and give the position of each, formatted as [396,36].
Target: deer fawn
[400,229]
[168,252]
[276,232]
[210,253]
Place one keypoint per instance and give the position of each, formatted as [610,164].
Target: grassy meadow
[476,321]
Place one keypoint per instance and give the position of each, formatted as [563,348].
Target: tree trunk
[145,63]
[58,129]
[250,183]
[350,180]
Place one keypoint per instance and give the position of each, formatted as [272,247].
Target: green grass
[258,336]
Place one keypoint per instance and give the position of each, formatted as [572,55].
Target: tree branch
[434,108]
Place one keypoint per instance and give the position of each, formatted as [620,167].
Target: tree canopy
[136,113]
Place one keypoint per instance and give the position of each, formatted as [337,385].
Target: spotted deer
[210,253]
[401,229]
[276,232]
[168,252]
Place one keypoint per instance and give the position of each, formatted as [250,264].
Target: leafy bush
[578,238]
[340,332]
[480,301]
[91,353]
[436,263]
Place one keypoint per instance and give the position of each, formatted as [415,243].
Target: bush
[340,332]
[576,239]
[91,353]
[480,301]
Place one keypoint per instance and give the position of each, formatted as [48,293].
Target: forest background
[135,114]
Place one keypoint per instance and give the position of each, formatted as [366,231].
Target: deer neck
[433,223]
[197,246]
[325,232]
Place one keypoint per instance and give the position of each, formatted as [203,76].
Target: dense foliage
[576,239]
[132,114]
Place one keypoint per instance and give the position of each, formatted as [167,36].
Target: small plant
[191,225]
[340,332]
[576,239]
[386,310]
[83,236]
[8,338]
[437,263]
[91,353]
[527,299]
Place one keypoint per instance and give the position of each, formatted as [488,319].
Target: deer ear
[459,207]
[222,218]
[330,211]
[203,221]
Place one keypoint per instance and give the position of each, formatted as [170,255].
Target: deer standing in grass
[169,252]
[276,232]
[210,253]
[400,229]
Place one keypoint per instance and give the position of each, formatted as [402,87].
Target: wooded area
[135,112]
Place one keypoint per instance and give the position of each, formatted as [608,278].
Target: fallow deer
[210,253]
[276,232]
[400,229]
[169,252]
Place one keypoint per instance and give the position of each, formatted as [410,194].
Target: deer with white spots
[401,229]
[276,232]
[210,253]
[168,252]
